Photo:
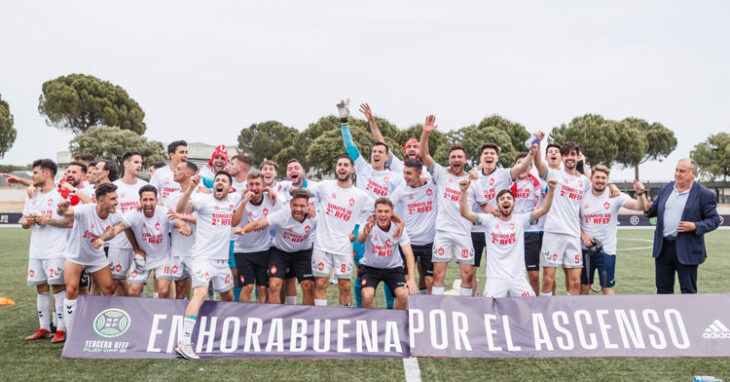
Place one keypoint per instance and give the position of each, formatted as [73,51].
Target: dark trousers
[665,266]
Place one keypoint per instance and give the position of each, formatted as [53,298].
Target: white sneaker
[186,351]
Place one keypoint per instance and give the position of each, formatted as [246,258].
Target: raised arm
[343,111]
[639,203]
[365,229]
[464,202]
[518,169]
[182,204]
[377,135]
[428,126]
[548,202]
[540,164]
[11,179]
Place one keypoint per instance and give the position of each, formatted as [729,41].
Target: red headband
[411,141]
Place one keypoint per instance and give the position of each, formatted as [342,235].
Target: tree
[713,158]
[7,132]
[438,145]
[271,140]
[78,102]
[323,142]
[517,133]
[660,141]
[597,137]
[112,142]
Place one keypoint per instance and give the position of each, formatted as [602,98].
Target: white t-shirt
[490,185]
[259,240]
[88,226]
[339,210]
[599,218]
[376,183]
[164,180]
[180,244]
[206,172]
[152,235]
[449,218]
[381,248]
[417,207]
[46,242]
[505,245]
[213,231]
[564,214]
[529,194]
[128,196]
[291,235]
[286,187]
[237,187]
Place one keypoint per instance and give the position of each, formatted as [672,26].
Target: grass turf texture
[634,275]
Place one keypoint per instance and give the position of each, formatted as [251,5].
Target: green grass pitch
[40,360]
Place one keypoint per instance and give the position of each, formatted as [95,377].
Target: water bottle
[705,378]
[531,141]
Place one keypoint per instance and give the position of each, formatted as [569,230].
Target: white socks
[187,333]
[68,313]
[439,290]
[58,299]
[291,300]
[464,291]
[318,302]
[43,302]
[542,293]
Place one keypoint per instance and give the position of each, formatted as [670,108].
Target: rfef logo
[112,323]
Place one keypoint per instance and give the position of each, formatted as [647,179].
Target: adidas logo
[716,330]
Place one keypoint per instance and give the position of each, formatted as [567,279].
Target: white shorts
[45,271]
[217,272]
[179,268]
[499,288]
[91,268]
[446,244]
[323,262]
[162,272]
[560,251]
[120,259]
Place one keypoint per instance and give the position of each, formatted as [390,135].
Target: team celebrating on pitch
[229,229]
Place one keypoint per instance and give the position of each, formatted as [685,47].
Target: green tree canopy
[78,102]
[597,137]
[660,141]
[517,133]
[713,156]
[438,145]
[271,140]
[112,142]
[7,132]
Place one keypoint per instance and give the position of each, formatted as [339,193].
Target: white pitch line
[413,372]
[632,248]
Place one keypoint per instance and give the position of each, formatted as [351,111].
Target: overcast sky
[204,70]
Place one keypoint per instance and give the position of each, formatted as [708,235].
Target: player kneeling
[382,261]
[505,241]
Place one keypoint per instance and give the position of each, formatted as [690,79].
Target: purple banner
[640,220]
[126,327]
[563,326]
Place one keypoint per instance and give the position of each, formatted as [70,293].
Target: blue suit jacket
[701,208]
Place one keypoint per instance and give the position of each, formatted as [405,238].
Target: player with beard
[252,250]
[529,192]
[598,224]
[163,179]
[94,224]
[415,202]
[128,186]
[382,261]
[148,232]
[72,181]
[209,255]
[492,180]
[292,246]
[561,238]
[218,162]
[505,247]
[48,240]
[411,149]
[180,244]
[374,177]
[452,230]
[297,179]
[341,205]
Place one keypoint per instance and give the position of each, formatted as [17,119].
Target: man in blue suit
[685,211]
